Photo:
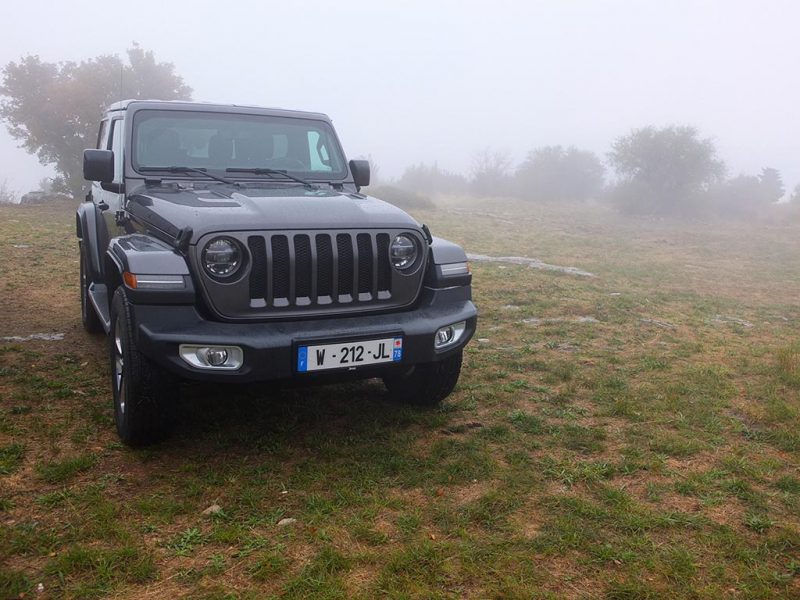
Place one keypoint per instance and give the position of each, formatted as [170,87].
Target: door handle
[102,205]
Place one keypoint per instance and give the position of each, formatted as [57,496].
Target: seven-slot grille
[295,270]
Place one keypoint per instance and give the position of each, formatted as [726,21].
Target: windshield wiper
[266,171]
[188,170]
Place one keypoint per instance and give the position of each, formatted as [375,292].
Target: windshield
[219,141]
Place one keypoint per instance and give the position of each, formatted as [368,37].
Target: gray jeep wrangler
[232,244]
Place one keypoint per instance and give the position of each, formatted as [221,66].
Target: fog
[422,81]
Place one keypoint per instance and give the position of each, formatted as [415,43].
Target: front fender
[86,231]
[448,266]
[445,252]
[160,273]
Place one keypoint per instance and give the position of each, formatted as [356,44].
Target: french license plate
[342,355]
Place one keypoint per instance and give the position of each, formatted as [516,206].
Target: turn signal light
[129,279]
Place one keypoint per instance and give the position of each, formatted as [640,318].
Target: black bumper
[270,348]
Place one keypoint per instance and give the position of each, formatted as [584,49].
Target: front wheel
[426,384]
[145,396]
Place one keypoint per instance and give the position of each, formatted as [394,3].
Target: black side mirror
[98,165]
[360,171]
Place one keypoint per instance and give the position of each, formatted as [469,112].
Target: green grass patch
[11,458]
[60,471]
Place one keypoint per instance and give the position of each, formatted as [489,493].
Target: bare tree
[374,169]
[431,179]
[490,172]
[7,195]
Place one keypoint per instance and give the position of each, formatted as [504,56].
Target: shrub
[401,198]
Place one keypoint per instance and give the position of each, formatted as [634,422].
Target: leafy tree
[772,188]
[553,173]
[54,108]
[663,170]
[490,173]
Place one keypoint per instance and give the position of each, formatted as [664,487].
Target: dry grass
[651,451]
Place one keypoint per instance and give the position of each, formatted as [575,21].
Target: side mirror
[360,171]
[98,165]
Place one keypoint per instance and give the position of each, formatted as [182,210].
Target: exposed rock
[723,320]
[47,337]
[533,263]
[545,321]
[662,324]
[286,521]
[213,510]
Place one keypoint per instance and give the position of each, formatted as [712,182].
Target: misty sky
[420,81]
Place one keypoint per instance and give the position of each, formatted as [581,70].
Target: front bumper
[270,347]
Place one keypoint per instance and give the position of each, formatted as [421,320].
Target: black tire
[91,322]
[145,396]
[426,384]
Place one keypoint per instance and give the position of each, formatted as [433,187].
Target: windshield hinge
[183,238]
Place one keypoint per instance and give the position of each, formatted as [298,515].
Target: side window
[102,135]
[320,160]
[280,145]
[115,144]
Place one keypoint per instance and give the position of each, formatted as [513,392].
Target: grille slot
[384,268]
[325,273]
[364,263]
[302,261]
[280,268]
[258,276]
[344,246]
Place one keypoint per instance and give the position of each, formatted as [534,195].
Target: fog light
[449,335]
[212,357]
[216,357]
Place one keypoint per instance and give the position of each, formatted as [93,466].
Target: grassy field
[635,434]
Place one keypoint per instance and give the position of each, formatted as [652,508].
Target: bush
[556,174]
[431,179]
[639,198]
[401,198]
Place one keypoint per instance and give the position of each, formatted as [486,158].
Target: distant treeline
[668,171]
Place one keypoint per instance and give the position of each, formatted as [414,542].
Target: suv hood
[220,208]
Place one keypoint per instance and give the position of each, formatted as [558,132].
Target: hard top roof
[213,107]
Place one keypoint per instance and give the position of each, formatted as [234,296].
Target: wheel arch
[86,232]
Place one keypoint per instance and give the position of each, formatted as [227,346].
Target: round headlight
[222,257]
[403,252]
